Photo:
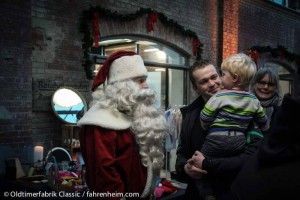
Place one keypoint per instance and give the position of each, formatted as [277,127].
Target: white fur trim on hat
[127,67]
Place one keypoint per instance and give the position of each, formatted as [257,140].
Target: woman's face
[265,88]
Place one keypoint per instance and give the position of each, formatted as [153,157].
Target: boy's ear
[236,78]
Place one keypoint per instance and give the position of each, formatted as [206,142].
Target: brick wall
[185,13]
[56,56]
[40,41]
[15,78]
[250,23]
[230,27]
[266,23]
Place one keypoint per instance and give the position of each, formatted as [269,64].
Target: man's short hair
[198,64]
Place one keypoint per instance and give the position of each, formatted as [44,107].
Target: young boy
[227,114]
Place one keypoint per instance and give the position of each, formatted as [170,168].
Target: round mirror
[68,104]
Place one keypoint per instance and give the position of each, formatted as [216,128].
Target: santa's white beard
[149,127]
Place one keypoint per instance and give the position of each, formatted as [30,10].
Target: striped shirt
[232,110]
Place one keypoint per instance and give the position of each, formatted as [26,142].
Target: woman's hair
[242,65]
[260,74]
[149,126]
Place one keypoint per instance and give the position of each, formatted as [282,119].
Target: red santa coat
[111,153]
[112,160]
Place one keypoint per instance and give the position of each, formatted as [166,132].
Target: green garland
[279,52]
[87,41]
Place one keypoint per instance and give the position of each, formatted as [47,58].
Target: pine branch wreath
[278,52]
[87,40]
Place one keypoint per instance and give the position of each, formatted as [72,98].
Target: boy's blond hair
[242,65]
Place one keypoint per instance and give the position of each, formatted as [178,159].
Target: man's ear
[194,88]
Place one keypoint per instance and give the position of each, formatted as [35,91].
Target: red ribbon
[282,53]
[254,55]
[196,44]
[96,29]
[152,17]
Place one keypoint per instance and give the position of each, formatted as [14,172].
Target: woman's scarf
[270,105]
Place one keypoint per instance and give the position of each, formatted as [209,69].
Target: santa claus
[122,134]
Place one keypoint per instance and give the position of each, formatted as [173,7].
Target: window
[281,2]
[150,51]
[292,4]
[167,67]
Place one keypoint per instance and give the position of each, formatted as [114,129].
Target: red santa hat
[119,66]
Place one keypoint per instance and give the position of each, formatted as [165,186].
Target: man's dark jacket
[191,139]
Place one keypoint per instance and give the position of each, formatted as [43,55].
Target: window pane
[294,4]
[112,48]
[285,87]
[157,81]
[154,52]
[173,57]
[176,87]
[149,51]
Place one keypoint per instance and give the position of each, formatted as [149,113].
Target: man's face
[142,81]
[208,81]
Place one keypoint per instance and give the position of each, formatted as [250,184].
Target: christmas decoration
[152,17]
[279,53]
[196,44]
[96,29]
[88,17]
[254,55]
